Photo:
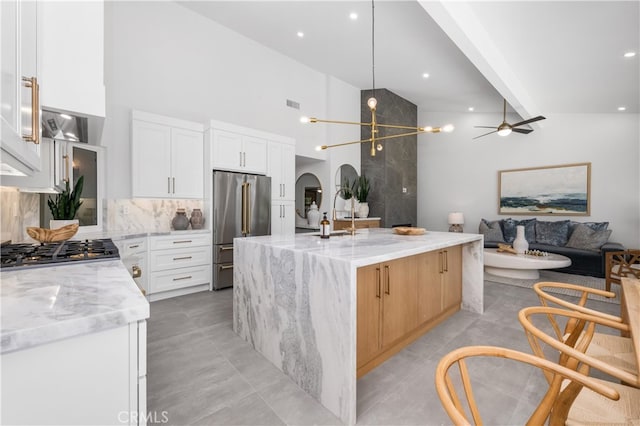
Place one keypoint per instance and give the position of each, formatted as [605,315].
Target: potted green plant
[348,189]
[64,207]
[362,192]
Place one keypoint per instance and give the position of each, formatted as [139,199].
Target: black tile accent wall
[395,167]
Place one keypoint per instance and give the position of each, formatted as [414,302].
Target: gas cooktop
[47,254]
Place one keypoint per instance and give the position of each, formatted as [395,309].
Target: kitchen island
[73,345]
[298,299]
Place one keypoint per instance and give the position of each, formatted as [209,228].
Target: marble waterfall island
[298,299]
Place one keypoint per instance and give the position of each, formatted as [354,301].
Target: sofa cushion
[509,229]
[585,237]
[552,233]
[596,226]
[492,230]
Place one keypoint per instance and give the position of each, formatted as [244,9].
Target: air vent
[293,104]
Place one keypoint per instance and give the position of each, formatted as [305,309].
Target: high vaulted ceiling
[544,57]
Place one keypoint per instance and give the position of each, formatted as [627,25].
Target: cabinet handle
[182,258]
[174,185]
[244,156]
[224,267]
[35,109]
[188,277]
[134,246]
[66,168]
[378,283]
[136,271]
[440,263]
[284,212]
[446,261]
[182,241]
[240,153]
[168,184]
[284,193]
[226,248]
[386,273]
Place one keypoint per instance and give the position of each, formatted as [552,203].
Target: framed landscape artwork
[553,190]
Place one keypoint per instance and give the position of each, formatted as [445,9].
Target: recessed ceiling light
[300,34]
[621,108]
[425,75]
[471,109]
[353,16]
[629,54]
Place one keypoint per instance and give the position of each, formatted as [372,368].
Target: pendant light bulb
[379,147]
[372,102]
[448,128]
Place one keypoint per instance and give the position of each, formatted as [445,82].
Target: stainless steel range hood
[64,126]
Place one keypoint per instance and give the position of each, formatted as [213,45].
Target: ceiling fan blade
[531,120]
[525,131]
[485,127]
[485,134]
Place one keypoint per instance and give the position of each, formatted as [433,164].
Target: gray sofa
[585,243]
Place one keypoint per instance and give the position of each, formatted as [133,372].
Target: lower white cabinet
[96,378]
[133,254]
[283,218]
[179,262]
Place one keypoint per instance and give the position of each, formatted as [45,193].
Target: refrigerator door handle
[243,214]
[249,214]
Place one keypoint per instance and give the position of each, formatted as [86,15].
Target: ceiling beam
[463,27]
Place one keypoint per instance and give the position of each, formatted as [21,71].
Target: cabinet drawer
[180,278]
[137,246]
[182,241]
[160,260]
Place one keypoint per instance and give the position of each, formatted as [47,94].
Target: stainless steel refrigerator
[241,208]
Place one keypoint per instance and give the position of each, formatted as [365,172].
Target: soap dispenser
[325,227]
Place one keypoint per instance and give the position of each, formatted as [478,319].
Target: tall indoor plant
[64,207]
[362,192]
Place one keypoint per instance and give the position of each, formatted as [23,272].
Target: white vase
[59,223]
[363,210]
[520,244]
[313,215]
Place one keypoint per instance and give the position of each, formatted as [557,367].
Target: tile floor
[201,373]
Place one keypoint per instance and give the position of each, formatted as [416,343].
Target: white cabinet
[238,152]
[167,157]
[283,219]
[179,262]
[56,168]
[19,111]
[133,254]
[72,56]
[282,169]
[96,378]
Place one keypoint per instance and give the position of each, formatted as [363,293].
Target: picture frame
[563,190]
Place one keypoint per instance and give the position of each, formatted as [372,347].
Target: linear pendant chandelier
[372,103]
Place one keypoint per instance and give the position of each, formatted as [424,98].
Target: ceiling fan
[505,128]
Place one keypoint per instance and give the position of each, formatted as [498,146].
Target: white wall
[166,59]
[457,173]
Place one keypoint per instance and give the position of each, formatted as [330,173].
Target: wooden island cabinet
[370,222]
[401,299]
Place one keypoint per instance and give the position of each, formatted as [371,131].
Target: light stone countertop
[368,246]
[45,304]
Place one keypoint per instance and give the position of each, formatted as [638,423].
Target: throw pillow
[492,230]
[584,237]
[552,233]
[509,229]
[596,226]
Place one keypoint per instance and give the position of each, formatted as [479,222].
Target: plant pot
[180,222]
[363,209]
[59,223]
[196,220]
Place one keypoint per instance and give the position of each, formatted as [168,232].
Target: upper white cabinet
[167,157]
[282,169]
[19,87]
[72,56]
[56,166]
[238,152]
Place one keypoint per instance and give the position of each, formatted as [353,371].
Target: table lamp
[456,220]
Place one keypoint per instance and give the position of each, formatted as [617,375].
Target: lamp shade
[456,218]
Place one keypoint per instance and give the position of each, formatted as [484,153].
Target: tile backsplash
[148,215]
[18,210]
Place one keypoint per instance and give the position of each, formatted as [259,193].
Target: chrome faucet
[351,230]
